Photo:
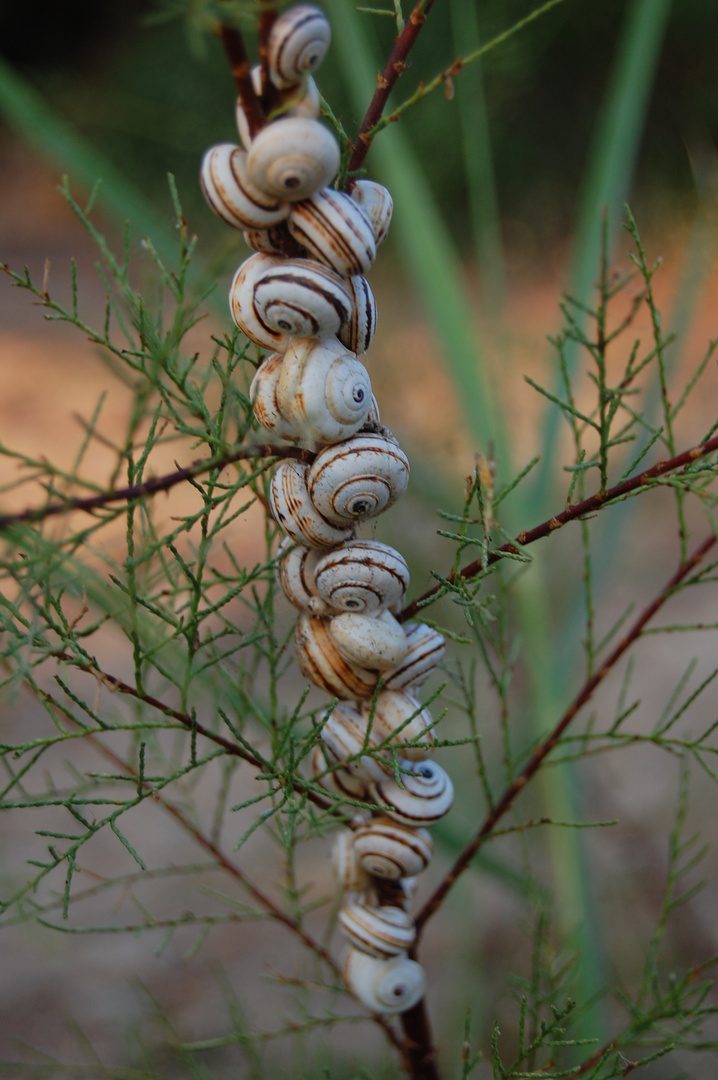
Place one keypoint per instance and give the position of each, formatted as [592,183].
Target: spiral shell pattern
[335,230]
[232,196]
[358,478]
[297,44]
[380,931]
[384,986]
[362,576]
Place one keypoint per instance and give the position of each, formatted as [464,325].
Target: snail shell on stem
[292,158]
[425,649]
[426,795]
[231,195]
[382,931]
[376,642]
[298,42]
[293,509]
[363,576]
[358,332]
[295,574]
[396,715]
[384,986]
[378,205]
[300,99]
[321,662]
[351,875]
[335,230]
[387,849]
[301,298]
[325,388]
[358,479]
[339,781]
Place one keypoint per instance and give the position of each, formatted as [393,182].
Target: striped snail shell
[298,42]
[292,158]
[362,576]
[300,99]
[376,642]
[351,875]
[295,574]
[294,511]
[426,795]
[231,195]
[335,230]
[397,716]
[387,849]
[358,332]
[242,306]
[325,388]
[378,205]
[379,931]
[338,782]
[321,663]
[270,241]
[384,986]
[358,478]
[301,298]
[345,739]
[263,395]
[425,649]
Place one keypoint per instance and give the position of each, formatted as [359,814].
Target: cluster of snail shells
[303,296]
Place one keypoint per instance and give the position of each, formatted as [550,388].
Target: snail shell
[321,663]
[301,298]
[384,986]
[324,388]
[242,306]
[352,876]
[387,849]
[358,479]
[378,205]
[362,576]
[231,195]
[358,332]
[346,740]
[376,642]
[379,931]
[425,649]
[298,42]
[339,781]
[335,230]
[270,241]
[295,574]
[300,99]
[292,158]
[397,716]
[426,795]
[263,395]
[294,511]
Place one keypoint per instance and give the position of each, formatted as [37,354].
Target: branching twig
[575,512]
[154,485]
[542,751]
[395,65]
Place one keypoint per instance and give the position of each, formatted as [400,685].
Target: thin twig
[544,749]
[233,43]
[590,505]
[154,485]
[395,65]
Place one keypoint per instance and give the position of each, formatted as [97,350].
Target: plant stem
[239,62]
[542,751]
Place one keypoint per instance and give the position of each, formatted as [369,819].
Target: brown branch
[154,485]
[542,751]
[239,62]
[265,901]
[395,66]
[419,1043]
[267,17]
[578,510]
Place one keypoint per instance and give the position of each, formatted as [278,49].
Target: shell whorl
[358,478]
[295,575]
[335,230]
[324,387]
[293,509]
[425,650]
[372,641]
[292,158]
[359,330]
[301,298]
[384,986]
[425,796]
[298,42]
[387,849]
[232,196]
[379,931]
[321,662]
[362,576]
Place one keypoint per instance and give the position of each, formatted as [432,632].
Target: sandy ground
[58,990]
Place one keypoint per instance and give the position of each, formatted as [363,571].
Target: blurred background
[500,179]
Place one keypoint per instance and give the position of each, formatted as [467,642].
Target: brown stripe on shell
[335,230]
[323,665]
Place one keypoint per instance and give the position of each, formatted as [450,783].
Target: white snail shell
[263,395]
[298,42]
[242,306]
[425,649]
[397,715]
[345,739]
[338,782]
[378,205]
[389,850]
[358,332]
[384,986]
[362,576]
[358,479]
[292,158]
[376,642]
[325,388]
[294,511]
[295,574]
[379,931]
[426,795]
[301,298]
[231,195]
[335,230]
[320,661]
[351,875]
[300,99]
